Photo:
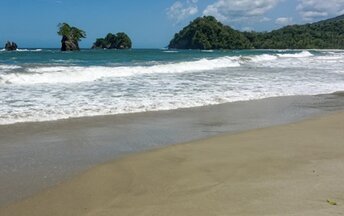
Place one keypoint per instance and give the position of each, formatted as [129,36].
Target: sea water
[46,84]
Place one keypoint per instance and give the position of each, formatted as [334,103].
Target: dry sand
[285,170]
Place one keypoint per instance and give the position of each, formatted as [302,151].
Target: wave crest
[76,74]
[302,54]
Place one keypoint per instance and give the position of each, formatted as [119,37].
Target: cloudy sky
[150,23]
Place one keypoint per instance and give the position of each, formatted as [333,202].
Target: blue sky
[150,23]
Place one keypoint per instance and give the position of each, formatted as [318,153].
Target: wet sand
[37,156]
[282,170]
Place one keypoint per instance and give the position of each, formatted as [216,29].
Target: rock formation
[11,46]
[70,37]
[68,44]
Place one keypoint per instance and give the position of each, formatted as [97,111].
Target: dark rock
[69,45]
[11,46]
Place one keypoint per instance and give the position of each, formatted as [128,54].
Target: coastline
[172,111]
[290,169]
[37,156]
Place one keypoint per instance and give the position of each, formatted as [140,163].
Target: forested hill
[338,18]
[207,33]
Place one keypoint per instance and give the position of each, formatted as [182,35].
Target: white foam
[75,74]
[302,54]
[122,89]
[29,50]
[170,51]
[9,67]
[24,50]
[263,57]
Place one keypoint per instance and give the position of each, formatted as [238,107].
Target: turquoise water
[46,84]
[120,57]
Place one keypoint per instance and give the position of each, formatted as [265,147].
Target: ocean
[46,84]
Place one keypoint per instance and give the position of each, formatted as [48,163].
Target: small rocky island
[70,37]
[11,46]
[113,41]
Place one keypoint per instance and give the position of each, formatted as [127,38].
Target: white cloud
[240,10]
[317,9]
[180,11]
[283,21]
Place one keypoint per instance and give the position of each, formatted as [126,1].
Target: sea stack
[69,45]
[70,37]
[11,46]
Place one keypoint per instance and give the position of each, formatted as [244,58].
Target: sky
[149,23]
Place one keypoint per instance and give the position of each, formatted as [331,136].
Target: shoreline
[90,118]
[290,169]
[37,156]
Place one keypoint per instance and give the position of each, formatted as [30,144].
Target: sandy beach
[172,108]
[38,155]
[292,169]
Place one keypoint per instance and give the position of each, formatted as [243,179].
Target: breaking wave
[302,54]
[66,87]
[75,74]
[52,74]
[24,50]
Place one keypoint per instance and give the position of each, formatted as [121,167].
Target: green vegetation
[71,32]
[208,33]
[320,35]
[112,41]
[70,36]
[331,202]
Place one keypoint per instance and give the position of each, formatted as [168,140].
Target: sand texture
[285,170]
